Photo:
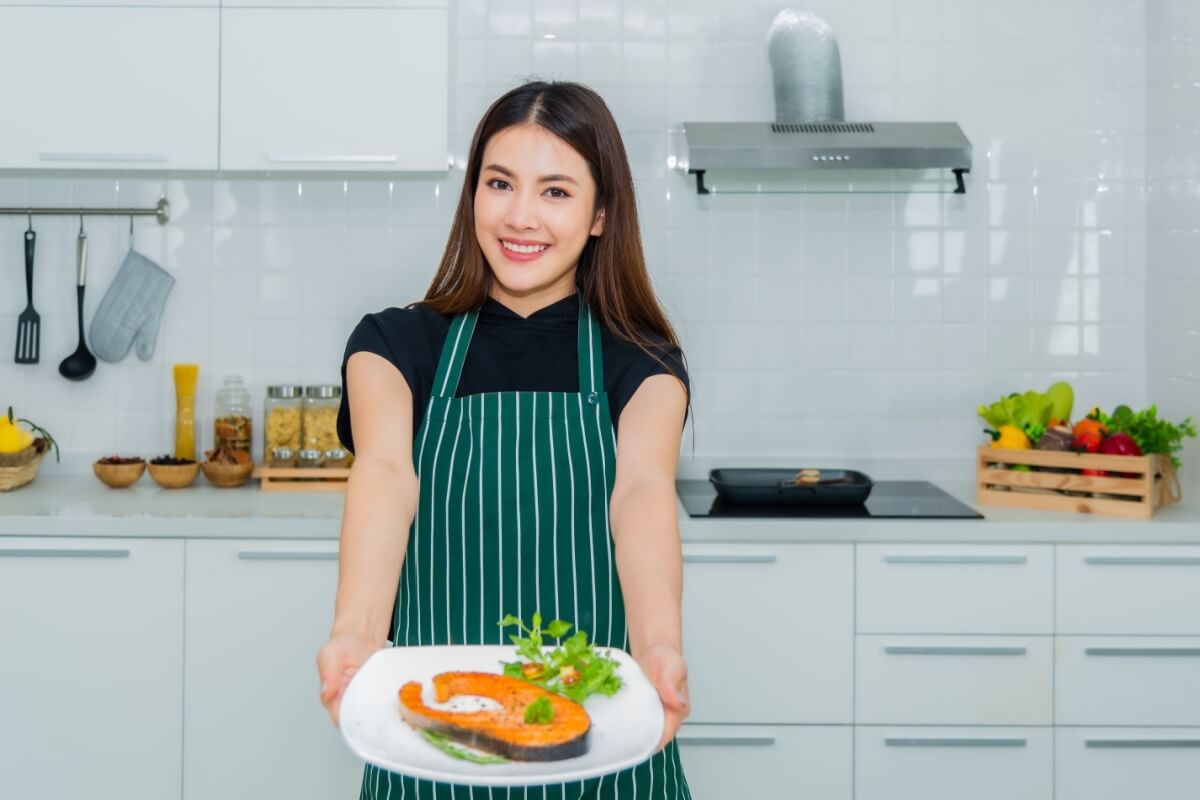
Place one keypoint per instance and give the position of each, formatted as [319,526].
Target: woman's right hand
[337,662]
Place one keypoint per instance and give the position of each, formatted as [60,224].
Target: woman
[541,394]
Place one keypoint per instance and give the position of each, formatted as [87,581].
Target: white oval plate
[625,727]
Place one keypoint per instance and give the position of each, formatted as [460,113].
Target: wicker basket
[18,469]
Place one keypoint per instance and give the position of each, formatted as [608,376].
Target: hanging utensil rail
[162,211]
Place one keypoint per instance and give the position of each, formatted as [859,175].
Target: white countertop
[68,502]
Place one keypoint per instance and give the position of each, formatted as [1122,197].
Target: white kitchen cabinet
[953,588]
[925,763]
[768,632]
[118,87]
[1128,590]
[91,677]
[257,612]
[954,680]
[724,761]
[1127,763]
[1134,680]
[334,89]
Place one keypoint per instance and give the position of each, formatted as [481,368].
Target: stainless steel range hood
[825,146]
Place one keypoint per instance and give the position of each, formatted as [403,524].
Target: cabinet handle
[1142,651]
[1139,743]
[140,157]
[966,741]
[1143,561]
[955,559]
[952,650]
[287,555]
[728,741]
[383,158]
[706,558]
[50,552]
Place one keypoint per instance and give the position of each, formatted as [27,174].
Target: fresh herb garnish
[539,712]
[573,668]
[442,742]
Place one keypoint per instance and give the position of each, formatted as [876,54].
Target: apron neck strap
[591,355]
[454,354]
[462,326]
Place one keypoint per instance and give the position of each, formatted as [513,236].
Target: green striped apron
[513,518]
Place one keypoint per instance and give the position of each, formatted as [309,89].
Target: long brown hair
[612,268]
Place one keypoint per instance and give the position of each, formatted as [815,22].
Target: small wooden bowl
[174,476]
[119,476]
[226,476]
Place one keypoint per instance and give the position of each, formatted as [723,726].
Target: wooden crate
[302,479]
[1153,484]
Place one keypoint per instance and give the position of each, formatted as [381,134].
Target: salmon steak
[502,731]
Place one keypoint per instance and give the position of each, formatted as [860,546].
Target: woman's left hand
[667,671]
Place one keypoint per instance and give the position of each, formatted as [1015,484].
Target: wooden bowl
[226,476]
[119,476]
[174,476]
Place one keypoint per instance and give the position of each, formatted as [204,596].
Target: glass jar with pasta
[281,419]
[320,417]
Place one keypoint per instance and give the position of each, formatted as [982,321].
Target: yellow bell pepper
[1011,438]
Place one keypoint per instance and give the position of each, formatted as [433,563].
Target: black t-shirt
[507,353]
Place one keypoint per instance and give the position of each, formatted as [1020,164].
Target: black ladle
[81,363]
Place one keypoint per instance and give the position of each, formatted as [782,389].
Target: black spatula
[29,324]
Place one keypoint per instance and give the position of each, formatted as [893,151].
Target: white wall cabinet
[91,676]
[263,86]
[257,612]
[344,89]
[128,88]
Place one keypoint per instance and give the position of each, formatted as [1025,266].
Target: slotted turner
[29,324]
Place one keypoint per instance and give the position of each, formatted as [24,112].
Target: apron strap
[454,354]
[591,355]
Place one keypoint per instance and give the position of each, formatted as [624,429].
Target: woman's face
[534,212]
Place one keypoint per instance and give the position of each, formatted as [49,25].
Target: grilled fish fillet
[502,731]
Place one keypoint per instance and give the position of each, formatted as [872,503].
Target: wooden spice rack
[1135,486]
[301,479]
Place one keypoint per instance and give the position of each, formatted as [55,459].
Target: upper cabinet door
[123,88]
[334,89]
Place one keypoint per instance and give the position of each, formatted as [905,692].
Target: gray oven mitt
[131,309]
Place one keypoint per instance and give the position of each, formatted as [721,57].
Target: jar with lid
[231,426]
[281,420]
[320,417]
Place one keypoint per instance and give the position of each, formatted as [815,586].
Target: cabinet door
[91,677]
[907,588]
[1128,590]
[1125,763]
[925,763]
[954,680]
[257,612]
[723,761]
[121,88]
[334,89]
[1127,680]
[768,632]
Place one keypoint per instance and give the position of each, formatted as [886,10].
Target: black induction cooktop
[888,500]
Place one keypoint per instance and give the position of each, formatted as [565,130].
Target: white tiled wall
[1173,220]
[818,325]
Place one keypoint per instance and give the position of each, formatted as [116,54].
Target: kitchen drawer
[724,761]
[1127,763]
[1110,680]
[954,680]
[953,763]
[1139,590]
[768,632]
[955,589]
